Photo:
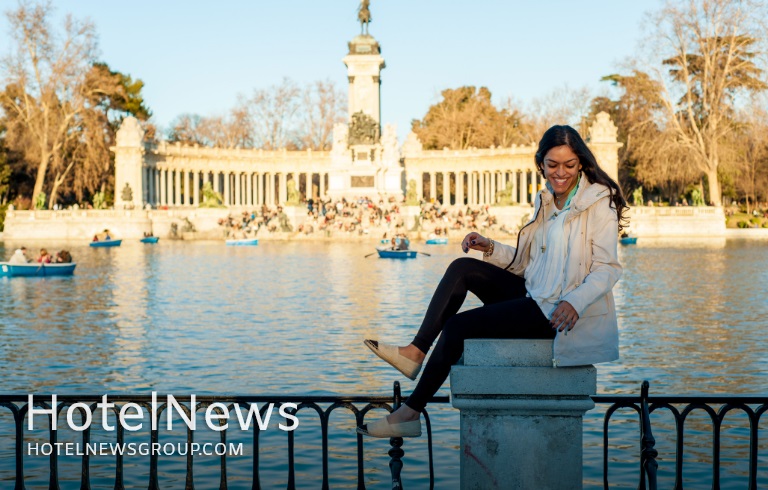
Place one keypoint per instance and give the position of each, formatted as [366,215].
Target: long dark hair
[566,135]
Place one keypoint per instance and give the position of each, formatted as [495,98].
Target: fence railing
[716,407]
[19,407]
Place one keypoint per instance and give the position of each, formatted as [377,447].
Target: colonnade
[477,187]
[167,186]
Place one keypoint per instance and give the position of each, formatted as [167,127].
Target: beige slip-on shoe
[382,428]
[391,354]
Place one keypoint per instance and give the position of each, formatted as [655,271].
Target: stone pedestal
[521,419]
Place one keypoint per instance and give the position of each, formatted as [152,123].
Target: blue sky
[196,56]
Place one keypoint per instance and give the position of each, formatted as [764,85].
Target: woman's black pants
[506,314]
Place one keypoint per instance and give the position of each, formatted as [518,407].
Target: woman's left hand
[564,317]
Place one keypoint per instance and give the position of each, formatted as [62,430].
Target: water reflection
[288,318]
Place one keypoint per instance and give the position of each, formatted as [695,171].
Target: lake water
[288,318]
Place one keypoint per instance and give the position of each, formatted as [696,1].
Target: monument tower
[365,159]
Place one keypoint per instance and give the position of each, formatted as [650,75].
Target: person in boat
[106,235]
[19,256]
[63,257]
[95,238]
[555,284]
[402,242]
[44,257]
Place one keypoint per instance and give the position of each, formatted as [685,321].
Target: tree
[323,106]
[466,118]
[562,105]
[110,96]
[649,154]
[44,78]
[710,50]
[273,111]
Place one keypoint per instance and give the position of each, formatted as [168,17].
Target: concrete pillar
[322,185]
[432,186]
[521,419]
[446,189]
[308,186]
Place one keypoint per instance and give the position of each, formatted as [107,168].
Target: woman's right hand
[475,241]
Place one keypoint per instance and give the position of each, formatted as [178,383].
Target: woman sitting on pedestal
[555,284]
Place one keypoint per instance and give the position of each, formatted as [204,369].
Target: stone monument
[129,164]
[365,161]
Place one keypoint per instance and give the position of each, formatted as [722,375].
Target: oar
[374,253]
[425,253]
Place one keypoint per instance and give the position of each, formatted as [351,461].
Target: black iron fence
[359,406]
[716,407]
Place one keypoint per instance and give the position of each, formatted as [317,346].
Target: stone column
[446,189]
[248,189]
[503,181]
[271,188]
[492,175]
[184,197]
[227,200]
[258,197]
[483,188]
[420,185]
[471,188]
[521,419]
[432,186]
[515,196]
[459,188]
[238,195]
[177,187]
[155,186]
[524,187]
[322,185]
[196,187]
[282,188]
[308,186]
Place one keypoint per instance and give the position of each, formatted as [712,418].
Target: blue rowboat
[36,270]
[385,253]
[437,241]
[628,240]
[243,242]
[150,239]
[106,243]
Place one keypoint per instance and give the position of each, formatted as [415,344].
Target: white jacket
[592,269]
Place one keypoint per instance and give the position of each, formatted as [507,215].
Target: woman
[556,283]
[44,257]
